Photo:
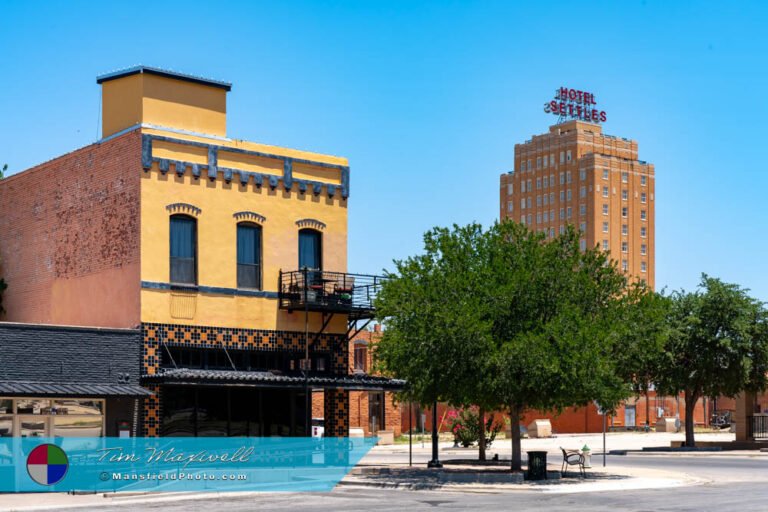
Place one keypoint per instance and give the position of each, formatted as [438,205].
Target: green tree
[718,345]
[435,309]
[644,332]
[505,319]
[557,311]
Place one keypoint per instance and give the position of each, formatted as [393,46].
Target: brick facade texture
[575,420]
[69,237]
[359,412]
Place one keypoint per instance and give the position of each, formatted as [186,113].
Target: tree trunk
[690,407]
[514,423]
[647,411]
[481,440]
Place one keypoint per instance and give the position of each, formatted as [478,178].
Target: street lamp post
[435,462]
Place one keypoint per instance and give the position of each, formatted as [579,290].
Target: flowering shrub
[466,430]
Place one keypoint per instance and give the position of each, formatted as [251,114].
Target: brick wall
[358,411]
[368,340]
[69,237]
[585,419]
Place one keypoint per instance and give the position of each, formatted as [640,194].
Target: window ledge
[184,287]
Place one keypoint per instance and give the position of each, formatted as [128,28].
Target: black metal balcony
[329,292]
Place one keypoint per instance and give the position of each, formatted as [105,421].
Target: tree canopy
[717,345]
[505,318]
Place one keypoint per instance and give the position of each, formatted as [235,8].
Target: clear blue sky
[428,99]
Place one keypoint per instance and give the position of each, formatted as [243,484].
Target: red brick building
[371,411]
[575,420]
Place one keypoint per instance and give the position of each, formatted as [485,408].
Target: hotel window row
[184,244]
[625,177]
[545,161]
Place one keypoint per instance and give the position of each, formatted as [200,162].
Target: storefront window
[37,417]
[6,426]
[178,411]
[61,407]
[212,412]
[33,406]
[244,412]
[33,427]
[78,426]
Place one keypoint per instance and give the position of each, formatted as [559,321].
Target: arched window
[310,249]
[248,255]
[183,249]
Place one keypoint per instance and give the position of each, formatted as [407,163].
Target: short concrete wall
[667,425]
[540,428]
[386,437]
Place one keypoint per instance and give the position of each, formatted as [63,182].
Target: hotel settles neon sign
[575,104]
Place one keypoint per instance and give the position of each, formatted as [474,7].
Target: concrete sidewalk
[614,441]
[463,478]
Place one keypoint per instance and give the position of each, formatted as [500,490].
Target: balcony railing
[329,292]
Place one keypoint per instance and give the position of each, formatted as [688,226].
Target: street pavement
[699,481]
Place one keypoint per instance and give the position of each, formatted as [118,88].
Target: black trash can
[537,465]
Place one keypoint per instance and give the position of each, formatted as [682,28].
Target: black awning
[269,379]
[69,389]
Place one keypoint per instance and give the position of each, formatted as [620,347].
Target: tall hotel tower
[576,174]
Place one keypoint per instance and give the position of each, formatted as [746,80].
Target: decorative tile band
[244,177]
[210,337]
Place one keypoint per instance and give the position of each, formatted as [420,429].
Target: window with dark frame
[183,249]
[360,358]
[249,255]
[376,411]
[310,249]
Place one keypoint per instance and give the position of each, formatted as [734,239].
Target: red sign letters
[574,104]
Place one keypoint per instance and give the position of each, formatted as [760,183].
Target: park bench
[572,458]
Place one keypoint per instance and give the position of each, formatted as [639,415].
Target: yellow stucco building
[230,256]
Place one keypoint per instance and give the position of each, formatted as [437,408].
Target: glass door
[629,415]
[375,411]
